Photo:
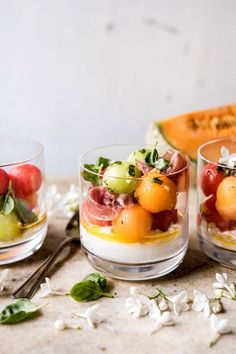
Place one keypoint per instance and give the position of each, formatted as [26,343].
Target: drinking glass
[216,204]
[133,217]
[23,222]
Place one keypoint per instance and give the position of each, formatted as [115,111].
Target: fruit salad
[20,209]
[217,201]
[134,209]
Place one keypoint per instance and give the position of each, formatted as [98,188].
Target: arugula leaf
[25,215]
[162,164]
[6,204]
[17,311]
[97,278]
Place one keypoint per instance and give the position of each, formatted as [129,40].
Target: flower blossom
[48,289]
[220,326]
[91,315]
[226,158]
[201,303]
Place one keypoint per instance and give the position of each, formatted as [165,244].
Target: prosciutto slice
[103,205]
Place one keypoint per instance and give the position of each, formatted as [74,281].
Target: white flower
[220,326]
[59,205]
[219,292]
[91,315]
[138,306]
[48,289]
[3,279]
[134,291]
[217,307]
[180,302]
[60,325]
[165,319]
[227,158]
[222,283]
[154,311]
[201,303]
[163,305]
[221,280]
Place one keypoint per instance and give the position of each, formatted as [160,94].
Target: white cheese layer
[133,253]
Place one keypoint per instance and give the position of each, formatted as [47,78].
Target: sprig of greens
[153,159]
[9,203]
[91,170]
[92,287]
[17,311]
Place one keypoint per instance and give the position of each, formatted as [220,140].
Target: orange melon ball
[155,192]
[132,223]
[226,197]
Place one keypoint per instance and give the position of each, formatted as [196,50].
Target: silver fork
[31,285]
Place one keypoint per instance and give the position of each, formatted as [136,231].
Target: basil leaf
[97,278]
[131,170]
[6,204]
[152,157]
[157,180]
[87,290]
[162,164]
[25,215]
[18,311]
[91,177]
[103,162]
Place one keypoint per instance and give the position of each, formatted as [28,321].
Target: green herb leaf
[87,290]
[91,177]
[103,162]
[152,156]
[157,180]
[162,164]
[6,204]
[131,170]
[17,311]
[97,278]
[25,215]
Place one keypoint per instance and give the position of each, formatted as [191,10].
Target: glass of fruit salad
[134,210]
[23,223]
[217,200]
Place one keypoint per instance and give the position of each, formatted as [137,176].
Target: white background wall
[76,74]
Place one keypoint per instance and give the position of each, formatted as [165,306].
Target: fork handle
[31,285]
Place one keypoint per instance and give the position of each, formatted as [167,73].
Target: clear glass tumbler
[23,222]
[134,210]
[216,205]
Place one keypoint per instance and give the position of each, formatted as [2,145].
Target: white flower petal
[60,325]
[134,291]
[91,315]
[224,152]
[163,305]
[166,319]
[207,309]
[3,278]
[154,311]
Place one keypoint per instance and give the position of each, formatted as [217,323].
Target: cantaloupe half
[188,131]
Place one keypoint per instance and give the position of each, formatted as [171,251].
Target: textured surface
[121,333]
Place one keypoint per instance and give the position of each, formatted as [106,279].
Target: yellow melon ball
[226,197]
[155,192]
[132,223]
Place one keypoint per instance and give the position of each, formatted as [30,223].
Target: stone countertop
[121,333]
